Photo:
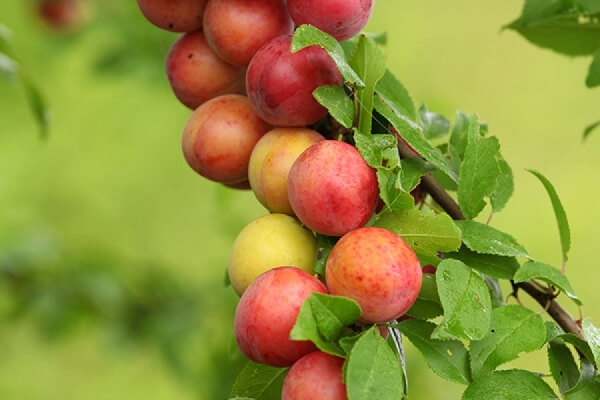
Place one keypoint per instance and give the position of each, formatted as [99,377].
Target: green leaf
[447,358]
[513,330]
[395,95]
[593,76]
[369,63]
[337,102]
[562,366]
[588,6]
[434,125]
[495,291]
[554,332]
[505,186]
[466,302]
[9,67]
[556,25]
[513,384]
[324,246]
[500,267]
[258,382]
[588,386]
[373,370]
[426,232]
[322,318]
[484,239]
[458,136]
[590,128]
[411,133]
[391,191]
[592,334]
[372,147]
[548,274]
[559,213]
[479,172]
[428,304]
[412,170]
[308,35]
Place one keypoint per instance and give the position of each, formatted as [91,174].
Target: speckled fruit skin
[219,136]
[317,375]
[331,188]
[174,15]
[268,310]
[268,242]
[227,23]
[271,161]
[377,269]
[342,19]
[196,74]
[280,83]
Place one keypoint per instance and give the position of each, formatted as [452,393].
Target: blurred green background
[105,212]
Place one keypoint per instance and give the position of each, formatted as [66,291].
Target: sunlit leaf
[513,384]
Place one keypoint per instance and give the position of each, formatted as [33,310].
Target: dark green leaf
[514,329]
[513,384]
[38,106]
[259,382]
[554,332]
[412,170]
[592,334]
[324,246]
[588,386]
[559,212]
[495,291]
[434,125]
[590,128]
[500,267]
[548,274]
[426,232]
[593,76]
[337,102]
[447,358]
[458,137]
[308,35]
[466,302]
[484,239]
[395,95]
[588,6]
[505,187]
[428,304]
[562,366]
[373,370]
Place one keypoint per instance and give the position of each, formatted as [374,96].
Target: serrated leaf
[588,386]
[513,384]
[411,133]
[505,186]
[466,302]
[513,330]
[308,35]
[558,26]
[500,267]
[412,170]
[562,366]
[548,274]
[372,148]
[554,332]
[426,232]
[479,171]
[590,128]
[592,334]
[447,358]
[391,191]
[369,63]
[428,304]
[559,212]
[373,370]
[337,102]
[458,136]
[484,239]
[258,382]
[395,95]
[434,125]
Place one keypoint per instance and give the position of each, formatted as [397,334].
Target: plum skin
[317,375]
[174,15]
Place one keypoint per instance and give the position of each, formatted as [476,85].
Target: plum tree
[268,242]
[196,74]
[376,268]
[317,375]
[174,15]
[280,83]
[331,188]
[227,23]
[219,136]
[267,311]
[271,161]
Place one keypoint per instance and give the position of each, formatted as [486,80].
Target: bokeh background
[113,252]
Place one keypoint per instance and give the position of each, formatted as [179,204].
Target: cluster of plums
[253,127]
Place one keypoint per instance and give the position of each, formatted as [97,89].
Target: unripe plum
[331,188]
[268,242]
[271,161]
[267,312]
[317,375]
[280,83]
[196,74]
[174,15]
[342,19]
[219,136]
[236,29]
[376,268]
